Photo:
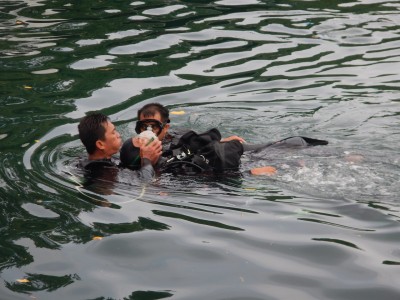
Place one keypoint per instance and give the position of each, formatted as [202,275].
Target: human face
[156,128]
[111,142]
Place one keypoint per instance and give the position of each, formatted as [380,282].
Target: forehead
[157,117]
[108,126]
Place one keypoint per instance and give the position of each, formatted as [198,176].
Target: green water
[264,70]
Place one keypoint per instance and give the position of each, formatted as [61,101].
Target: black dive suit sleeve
[130,156]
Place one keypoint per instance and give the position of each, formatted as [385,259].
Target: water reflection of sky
[325,227]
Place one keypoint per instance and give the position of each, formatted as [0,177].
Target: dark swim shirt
[107,169]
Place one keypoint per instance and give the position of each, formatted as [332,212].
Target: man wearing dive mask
[202,151]
[152,115]
[159,128]
[156,116]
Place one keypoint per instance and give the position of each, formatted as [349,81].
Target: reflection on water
[324,227]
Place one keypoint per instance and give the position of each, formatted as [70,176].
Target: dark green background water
[263,70]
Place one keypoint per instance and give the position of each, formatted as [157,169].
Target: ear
[100,145]
[166,127]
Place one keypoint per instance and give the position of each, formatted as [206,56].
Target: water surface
[325,227]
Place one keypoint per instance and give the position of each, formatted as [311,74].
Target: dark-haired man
[156,116]
[206,151]
[102,141]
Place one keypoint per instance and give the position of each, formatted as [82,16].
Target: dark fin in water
[290,142]
[315,142]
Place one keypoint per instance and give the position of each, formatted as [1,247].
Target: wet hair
[91,128]
[149,110]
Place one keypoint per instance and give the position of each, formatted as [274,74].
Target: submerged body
[196,153]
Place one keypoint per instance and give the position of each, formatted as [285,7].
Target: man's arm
[136,155]
[146,171]
[149,156]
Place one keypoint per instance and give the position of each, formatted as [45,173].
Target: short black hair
[149,110]
[91,128]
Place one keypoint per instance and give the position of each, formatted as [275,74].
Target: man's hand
[152,151]
[232,138]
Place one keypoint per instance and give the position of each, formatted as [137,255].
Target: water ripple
[324,227]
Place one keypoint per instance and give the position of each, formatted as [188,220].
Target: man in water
[102,141]
[211,151]
[156,116]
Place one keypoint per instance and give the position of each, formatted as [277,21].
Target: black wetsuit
[193,153]
[107,169]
